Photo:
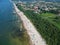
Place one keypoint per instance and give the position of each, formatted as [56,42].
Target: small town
[40,6]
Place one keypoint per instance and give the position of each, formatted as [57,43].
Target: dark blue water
[43,0]
[9,21]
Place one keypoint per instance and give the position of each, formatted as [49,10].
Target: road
[31,30]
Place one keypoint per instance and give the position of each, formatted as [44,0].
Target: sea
[9,21]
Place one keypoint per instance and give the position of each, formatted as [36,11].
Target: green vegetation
[47,27]
[48,15]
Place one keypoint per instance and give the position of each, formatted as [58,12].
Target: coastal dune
[35,37]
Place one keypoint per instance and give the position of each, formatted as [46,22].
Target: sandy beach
[31,30]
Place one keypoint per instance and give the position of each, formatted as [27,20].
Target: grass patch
[48,15]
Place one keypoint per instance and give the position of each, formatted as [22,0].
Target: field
[46,25]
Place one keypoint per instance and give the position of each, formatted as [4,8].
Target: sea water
[9,21]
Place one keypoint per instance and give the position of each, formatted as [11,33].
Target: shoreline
[35,37]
